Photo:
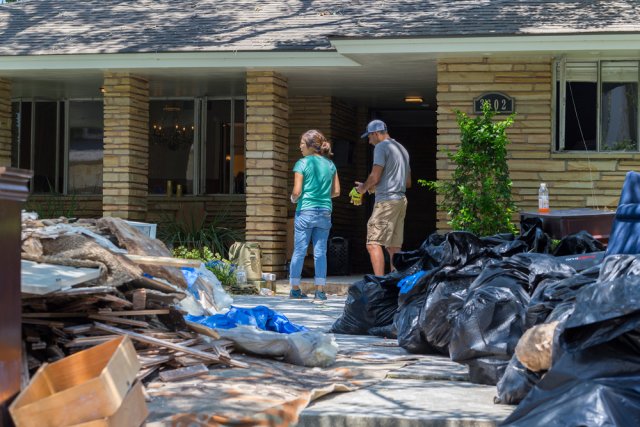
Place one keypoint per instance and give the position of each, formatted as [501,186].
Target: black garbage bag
[412,293]
[614,266]
[429,253]
[549,295]
[535,238]
[578,243]
[388,331]
[457,251]
[491,322]
[516,383]
[370,302]
[443,303]
[596,379]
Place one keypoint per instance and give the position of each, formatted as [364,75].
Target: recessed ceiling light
[413,99]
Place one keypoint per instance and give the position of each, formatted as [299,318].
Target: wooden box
[85,386]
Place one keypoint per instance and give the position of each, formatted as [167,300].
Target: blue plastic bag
[261,317]
[407,283]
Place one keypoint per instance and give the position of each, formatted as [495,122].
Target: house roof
[45,27]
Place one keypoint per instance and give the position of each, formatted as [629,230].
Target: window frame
[558,112]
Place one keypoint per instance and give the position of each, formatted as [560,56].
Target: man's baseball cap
[374,126]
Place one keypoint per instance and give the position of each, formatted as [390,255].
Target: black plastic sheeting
[594,379]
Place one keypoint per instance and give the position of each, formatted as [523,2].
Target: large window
[61,141]
[198,144]
[597,106]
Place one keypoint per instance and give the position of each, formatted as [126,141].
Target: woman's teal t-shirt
[318,172]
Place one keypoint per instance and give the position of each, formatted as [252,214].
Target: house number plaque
[500,103]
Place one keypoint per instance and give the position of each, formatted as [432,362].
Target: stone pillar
[266,166]
[5,122]
[126,146]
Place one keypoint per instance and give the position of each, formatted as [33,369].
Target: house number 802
[500,103]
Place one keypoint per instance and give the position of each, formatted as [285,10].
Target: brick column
[5,122]
[126,146]
[266,166]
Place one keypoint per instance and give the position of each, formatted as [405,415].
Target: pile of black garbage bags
[472,298]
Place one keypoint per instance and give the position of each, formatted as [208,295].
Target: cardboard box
[85,386]
[131,413]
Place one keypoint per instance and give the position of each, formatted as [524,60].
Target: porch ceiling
[377,82]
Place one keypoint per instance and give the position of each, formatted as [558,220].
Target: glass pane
[238,148]
[217,157]
[581,116]
[86,149]
[45,148]
[171,145]
[23,148]
[619,112]
[15,134]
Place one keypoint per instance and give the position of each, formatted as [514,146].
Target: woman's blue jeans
[310,225]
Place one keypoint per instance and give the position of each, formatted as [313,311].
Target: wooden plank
[49,323]
[166,261]
[184,373]
[204,330]
[41,279]
[161,343]
[135,312]
[89,341]
[115,319]
[78,329]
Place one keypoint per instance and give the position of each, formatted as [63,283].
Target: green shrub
[221,267]
[190,229]
[478,196]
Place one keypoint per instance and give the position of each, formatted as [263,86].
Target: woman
[315,183]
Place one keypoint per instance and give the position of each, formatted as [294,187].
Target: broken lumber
[184,373]
[162,343]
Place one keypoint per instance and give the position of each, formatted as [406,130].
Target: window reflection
[86,147]
[171,145]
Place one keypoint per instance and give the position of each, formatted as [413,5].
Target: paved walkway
[428,391]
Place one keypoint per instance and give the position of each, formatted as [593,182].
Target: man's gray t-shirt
[395,162]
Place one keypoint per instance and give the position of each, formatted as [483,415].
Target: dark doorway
[416,130]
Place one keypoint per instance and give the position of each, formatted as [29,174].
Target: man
[390,177]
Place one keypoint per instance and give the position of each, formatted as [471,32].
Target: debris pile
[121,283]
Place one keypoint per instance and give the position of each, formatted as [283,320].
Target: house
[108,100]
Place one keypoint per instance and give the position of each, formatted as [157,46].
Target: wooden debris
[165,261]
[162,343]
[184,373]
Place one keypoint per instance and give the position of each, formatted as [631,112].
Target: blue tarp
[261,317]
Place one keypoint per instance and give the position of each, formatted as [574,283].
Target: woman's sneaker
[320,295]
[296,294]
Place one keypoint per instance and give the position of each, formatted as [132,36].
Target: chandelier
[170,132]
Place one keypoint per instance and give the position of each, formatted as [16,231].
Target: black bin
[338,257]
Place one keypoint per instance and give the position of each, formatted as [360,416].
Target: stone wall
[5,122]
[574,179]
[267,153]
[126,139]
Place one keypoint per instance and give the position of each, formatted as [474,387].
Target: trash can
[338,257]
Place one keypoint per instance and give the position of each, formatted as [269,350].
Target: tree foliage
[478,196]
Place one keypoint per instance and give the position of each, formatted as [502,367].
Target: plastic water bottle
[543,198]
[241,276]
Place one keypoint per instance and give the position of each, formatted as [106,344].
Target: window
[40,133]
[198,144]
[65,155]
[597,106]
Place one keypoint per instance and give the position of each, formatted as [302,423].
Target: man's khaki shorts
[386,225]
